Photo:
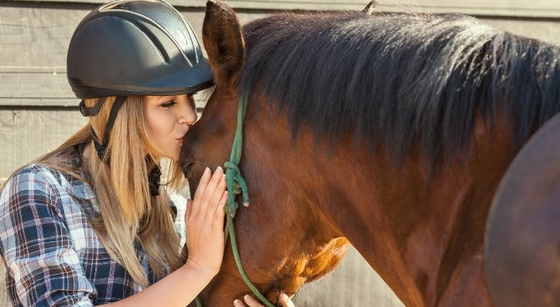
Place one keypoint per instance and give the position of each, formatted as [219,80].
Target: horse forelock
[401,80]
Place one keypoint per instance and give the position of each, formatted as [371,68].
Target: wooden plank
[37,37]
[32,88]
[545,30]
[512,8]
[34,37]
[28,134]
[535,8]
[352,283]
[34,40]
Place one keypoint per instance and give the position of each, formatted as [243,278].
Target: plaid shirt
[53,256]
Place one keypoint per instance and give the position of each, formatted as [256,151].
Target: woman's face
[168,119]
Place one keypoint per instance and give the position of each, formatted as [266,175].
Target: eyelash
[169,104]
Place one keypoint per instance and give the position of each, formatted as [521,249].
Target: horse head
[265,238]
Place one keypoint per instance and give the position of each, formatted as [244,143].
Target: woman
[88,223]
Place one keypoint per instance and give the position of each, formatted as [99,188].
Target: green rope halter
[236,185]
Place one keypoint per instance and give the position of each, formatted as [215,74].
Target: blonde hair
[128,211]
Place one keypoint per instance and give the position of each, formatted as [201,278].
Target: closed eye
[168,104]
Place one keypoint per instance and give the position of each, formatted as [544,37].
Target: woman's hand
[252,302]
[205,223]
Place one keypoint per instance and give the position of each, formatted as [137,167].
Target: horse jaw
[286,276]
[316,266]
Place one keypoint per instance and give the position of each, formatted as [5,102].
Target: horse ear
[369,9]
[223,41]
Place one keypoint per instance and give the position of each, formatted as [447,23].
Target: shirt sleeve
[180,203]
[36,244]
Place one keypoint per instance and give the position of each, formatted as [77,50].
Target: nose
[187,115]
[188,119]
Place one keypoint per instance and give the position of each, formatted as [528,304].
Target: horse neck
[423,234]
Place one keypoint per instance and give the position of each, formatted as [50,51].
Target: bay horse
[390,132]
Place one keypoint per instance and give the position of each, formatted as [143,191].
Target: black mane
[401,80]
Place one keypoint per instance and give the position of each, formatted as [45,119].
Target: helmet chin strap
[86,112]
[101,147]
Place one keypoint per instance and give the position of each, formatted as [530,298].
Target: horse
[390,132]
[522,236]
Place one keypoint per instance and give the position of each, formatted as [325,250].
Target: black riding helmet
[136,47]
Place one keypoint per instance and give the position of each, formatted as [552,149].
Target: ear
[369,9]
[223,41]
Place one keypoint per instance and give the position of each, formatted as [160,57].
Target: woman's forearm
[177,289]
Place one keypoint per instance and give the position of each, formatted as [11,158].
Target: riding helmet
[136,47]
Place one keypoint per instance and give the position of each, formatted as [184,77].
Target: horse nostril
[186,168]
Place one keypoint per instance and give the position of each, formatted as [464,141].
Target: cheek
[150,117]
[159,123]
[160,127]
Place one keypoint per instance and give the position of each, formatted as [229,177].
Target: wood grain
[26,135]
[534,8]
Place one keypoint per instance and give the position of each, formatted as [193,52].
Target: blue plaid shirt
[53,256]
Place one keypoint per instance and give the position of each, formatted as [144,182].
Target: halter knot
[236,185]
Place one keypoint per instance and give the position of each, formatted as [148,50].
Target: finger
[206,195]
[201,189]
[216,190]
[189,209]
[213,183]
[217,180]
[238,303]
[285,300]
[251,301]
[203,181]
[217,201]
[219,212]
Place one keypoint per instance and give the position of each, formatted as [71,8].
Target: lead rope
[235,185]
